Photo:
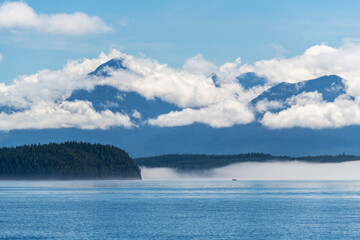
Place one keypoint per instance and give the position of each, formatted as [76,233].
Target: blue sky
[173,31]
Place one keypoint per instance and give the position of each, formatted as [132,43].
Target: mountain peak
[103,69]
[250,79]
[330,86]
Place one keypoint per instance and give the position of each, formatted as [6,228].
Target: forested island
[73,160]
[69,160]
[186,162]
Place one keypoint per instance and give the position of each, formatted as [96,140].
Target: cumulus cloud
[51,85]
[316,61]
[39,100]
[224,114]
[20,15]
[198,65]
[310,110]
[266,105]
[315,113]
[200,99]
[78,114]
[192,89]
[136,114]
[152,79]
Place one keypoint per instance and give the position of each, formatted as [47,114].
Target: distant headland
[194,162]
[65,161]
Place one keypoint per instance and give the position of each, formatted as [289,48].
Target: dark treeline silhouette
[203,162]
[69,160]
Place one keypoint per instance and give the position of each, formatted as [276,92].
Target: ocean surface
[187,209]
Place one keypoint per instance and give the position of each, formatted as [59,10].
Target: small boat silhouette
[234,179]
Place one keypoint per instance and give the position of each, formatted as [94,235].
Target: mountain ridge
[146,140]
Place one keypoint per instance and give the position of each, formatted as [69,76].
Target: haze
[264,171]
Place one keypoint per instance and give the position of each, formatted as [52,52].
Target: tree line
[203,162]
[69,160]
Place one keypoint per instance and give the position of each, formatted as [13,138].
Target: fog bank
[292,170]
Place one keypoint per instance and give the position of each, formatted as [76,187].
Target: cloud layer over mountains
[204,92]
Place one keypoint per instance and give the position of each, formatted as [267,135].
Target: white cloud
[136,114]
[1,57]
[224,114]
[221,106]
[190,88]
[20,15]
[51,85]
[317,61]
[305,98]
[78,114]
[309,110]
[152,79]
[313,112]
[265,105]
[198,65]
[41,97]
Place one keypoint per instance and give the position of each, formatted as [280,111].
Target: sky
[173,31]
[171,50]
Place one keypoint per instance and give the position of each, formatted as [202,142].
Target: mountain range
[146,140]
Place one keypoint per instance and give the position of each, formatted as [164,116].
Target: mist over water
[292,170]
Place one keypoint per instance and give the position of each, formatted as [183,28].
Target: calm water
[179,210]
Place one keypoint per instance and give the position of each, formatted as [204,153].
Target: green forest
[185,162]
[69,160]
[73,160]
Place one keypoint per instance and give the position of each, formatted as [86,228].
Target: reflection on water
[184,188]
[188,209]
